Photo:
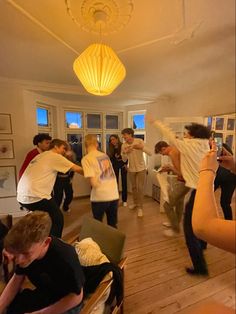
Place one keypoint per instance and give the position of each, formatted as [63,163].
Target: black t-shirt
[59,271]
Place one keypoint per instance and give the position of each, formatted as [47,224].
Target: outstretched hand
[210,160]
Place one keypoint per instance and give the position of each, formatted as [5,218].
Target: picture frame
[7,181]
[6,149]
[5,123]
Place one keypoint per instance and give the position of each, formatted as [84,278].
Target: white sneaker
[170,233]
[166,224]
[133,206]
[125,204]
[140,212]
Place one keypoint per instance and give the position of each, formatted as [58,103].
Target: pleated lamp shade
[99,69]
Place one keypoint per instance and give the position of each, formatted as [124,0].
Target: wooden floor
[155,279]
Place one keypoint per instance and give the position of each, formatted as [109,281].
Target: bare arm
[63,305]
[78,169]
[206,223]
[166,131]
[10,291]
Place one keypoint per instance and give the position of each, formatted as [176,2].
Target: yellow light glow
[99,69]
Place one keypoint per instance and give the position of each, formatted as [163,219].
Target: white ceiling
[169,47]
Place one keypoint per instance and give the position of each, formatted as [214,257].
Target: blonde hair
[32,228]
[90,140]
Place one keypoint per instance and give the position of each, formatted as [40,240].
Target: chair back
[110,240]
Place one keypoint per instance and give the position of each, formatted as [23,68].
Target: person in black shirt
[118,164]
[50,264]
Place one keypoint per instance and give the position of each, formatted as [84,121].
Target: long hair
[111,147]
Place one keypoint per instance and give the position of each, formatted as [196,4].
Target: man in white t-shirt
[193,147]
[132,150]
[36,184]
[98,169]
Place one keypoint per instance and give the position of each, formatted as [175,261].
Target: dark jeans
[122,170]
[110,208]
[195,245]
[29,300]
[226,180]
[63,186]
[54,212]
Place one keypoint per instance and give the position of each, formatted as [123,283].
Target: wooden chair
[111,242]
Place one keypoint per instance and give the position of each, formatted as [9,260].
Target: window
[224,128]
[112,122]
[80,123]
[94,121]
[138,121]
[75,141]
[42,117]
[142,136]
[73,120]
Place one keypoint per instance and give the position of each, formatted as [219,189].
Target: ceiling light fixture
[98,67]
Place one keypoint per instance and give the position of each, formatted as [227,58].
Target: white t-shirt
[135,157]
[39,177]
[98,165]
[192,151]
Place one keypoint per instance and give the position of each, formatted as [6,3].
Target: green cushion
[110,240]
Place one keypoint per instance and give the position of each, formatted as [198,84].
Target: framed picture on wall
[5,123]
[6,149]
[7,181]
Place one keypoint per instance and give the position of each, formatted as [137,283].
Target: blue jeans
[109,207]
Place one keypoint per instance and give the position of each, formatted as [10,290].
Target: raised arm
[165,130]
[206,223]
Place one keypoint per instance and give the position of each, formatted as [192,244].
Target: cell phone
[219,144]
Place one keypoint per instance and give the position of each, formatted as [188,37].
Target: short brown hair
[57,142]
[159,146]
[128,131]
[32,228]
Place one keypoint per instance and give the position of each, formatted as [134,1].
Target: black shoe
[194,272]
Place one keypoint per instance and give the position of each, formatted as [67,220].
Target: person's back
[98,169]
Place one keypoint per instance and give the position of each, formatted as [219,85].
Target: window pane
[142,136]
[112,122]
[209,121]
[230,124]
[219,123]
[73,120]
[229,140]
[75,141]
[139,121]
[42,117]
[94,121]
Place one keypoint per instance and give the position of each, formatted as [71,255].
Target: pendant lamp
[99,69]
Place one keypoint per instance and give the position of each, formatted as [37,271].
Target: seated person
[50,264]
